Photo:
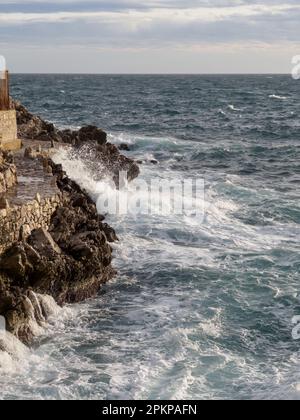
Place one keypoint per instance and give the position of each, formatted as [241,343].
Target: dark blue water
[200,309]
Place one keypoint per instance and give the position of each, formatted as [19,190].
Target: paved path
[32,178]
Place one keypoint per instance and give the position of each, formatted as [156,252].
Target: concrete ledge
[11,145]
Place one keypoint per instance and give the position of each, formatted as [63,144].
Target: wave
[233,108]
[283,98]
[42,310]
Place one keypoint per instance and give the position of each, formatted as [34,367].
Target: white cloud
[123,25]
[199,14]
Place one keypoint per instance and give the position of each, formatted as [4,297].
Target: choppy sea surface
[200,308]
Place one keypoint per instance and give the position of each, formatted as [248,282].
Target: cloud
[184,15]
[134,25]
[123,25]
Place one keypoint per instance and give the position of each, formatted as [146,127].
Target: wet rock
[19,261]
[31,126]
[42,241]
[35,128]
[125,147]
[110,233]
[92,133]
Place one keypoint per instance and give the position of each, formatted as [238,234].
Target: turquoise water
[200,308]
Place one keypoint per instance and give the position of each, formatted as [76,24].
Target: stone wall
[17,222]
[8,130]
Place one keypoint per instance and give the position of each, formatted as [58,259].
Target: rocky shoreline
[63,245]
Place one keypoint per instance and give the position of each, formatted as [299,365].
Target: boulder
[19,261]
[42,241]
[92,133]
[125,147]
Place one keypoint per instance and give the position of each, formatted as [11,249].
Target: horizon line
[151,74]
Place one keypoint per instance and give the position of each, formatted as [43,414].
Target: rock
[33,127]
[48,170]
[24,232]
[4,204]
[110,233]
[80,250]
[91,133]
[8,172]
[43,243]
[19,260]
[29,153]
[38,198]
[13,262]
[125,147]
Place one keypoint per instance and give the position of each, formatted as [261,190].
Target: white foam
[40,309]
[233,108]
[278,97]
[12,353]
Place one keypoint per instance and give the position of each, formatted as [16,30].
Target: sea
[202,307]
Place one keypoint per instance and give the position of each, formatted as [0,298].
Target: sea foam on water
[41,309]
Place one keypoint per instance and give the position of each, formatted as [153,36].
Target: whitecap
[233,108]
[282,98]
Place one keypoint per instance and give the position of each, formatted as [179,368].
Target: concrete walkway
[32,177]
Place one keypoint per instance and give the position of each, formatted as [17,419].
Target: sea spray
[40,310]
[11,351]
[75,163]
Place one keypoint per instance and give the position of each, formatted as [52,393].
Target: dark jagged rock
[70,262]
[125,147]
[92,133]
[33,127]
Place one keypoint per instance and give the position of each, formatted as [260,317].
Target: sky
[154,36]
